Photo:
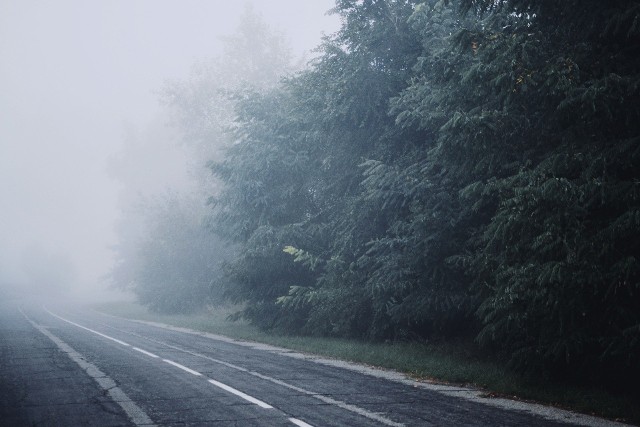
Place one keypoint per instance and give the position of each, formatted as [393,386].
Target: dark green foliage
[296,166]
[555,258]
[450,168]
[266,200]
[565,291]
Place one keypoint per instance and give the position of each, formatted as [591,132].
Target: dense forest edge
[441,171]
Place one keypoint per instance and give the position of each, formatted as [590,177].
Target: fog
[79,82]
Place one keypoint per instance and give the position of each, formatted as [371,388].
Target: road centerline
[325,399]
[155,356]
[184,368]
[299,423]
[223,386]
[238,393]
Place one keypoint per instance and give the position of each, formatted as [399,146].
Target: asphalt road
[75,367]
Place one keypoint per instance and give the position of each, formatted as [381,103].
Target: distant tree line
[166,253]
[442,169]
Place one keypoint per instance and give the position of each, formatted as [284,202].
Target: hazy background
[77,78]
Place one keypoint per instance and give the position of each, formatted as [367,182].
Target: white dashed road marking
[326,399]
[184,368]
[238,393]
[225,387]
[340,404]
[299,423]
[146,352]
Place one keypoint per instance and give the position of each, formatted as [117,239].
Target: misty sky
[73,76]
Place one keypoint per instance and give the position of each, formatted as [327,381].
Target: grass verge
[445,363]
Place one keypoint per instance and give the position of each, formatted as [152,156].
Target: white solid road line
[133,411]
[238,393]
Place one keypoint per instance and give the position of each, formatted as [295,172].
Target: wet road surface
[75,367]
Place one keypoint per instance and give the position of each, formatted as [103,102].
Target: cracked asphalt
[50,356]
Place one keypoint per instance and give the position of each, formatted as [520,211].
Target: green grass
[445,363]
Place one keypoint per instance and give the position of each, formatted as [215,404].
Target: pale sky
[72,74]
